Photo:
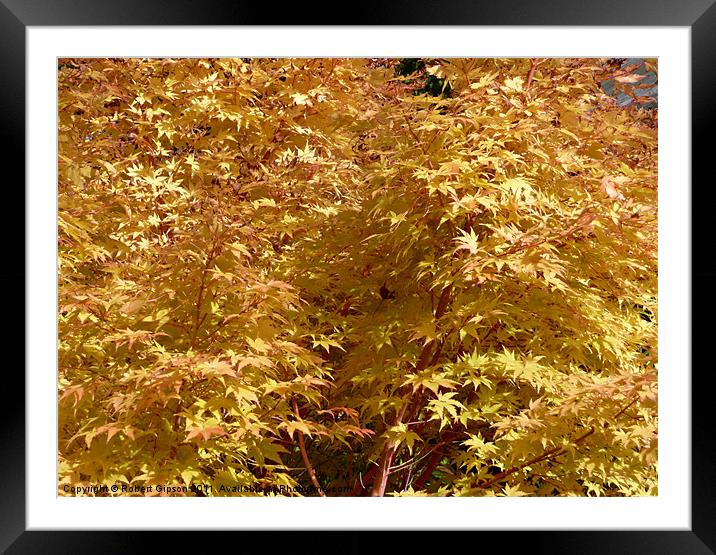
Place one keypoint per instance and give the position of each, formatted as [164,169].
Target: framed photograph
[398,275]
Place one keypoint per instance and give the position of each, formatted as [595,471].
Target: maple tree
[299,273]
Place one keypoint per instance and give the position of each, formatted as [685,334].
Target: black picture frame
[698,15]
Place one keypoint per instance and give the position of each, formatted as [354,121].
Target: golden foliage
[226,230]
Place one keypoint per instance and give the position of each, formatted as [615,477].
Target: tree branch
[428,470]
[391,448]
[547,455]
[531,74]
[198,319]
[304,454]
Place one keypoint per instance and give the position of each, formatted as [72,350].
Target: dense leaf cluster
[432,85]
[299,273]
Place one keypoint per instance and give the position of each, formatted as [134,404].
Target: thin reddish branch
[551,453]
[304,454]
[386,459]
[443,302]
[531,74]
[391,448]
[198,320]
[584,219]
[547,455]
[438,452]
[438,352]
[429,467]
[417,140]
[625,408]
